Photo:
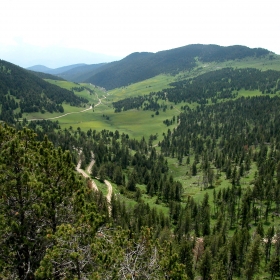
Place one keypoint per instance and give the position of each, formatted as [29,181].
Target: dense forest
[21,89]
[54,227]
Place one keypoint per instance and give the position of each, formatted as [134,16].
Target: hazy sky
[118,28]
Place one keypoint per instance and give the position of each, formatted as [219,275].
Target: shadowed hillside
[22,91]
[140,66]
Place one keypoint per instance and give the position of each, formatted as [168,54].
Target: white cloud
[125,26]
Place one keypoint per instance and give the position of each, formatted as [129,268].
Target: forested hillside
[21,91]
[212,86]
[140,66]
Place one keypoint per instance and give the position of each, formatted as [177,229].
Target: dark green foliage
[39,191]
[253,258]
[205,265]
[274,267]
[131,184]
[50,227]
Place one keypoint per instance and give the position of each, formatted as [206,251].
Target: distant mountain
[24,91]
[40,68]
[81,73]
[140,66]
[44,69]
[144,65]
[75,73]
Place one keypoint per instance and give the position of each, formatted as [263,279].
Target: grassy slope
[145,87]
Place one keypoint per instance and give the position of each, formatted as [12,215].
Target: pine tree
[194,169]
[94,171]
[186,257]
[253,259]
[274,267]
[131,184]
[205,265]
[38,187]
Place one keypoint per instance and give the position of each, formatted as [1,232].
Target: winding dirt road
[70,113]
[94,186]
[110,190]
[78,168]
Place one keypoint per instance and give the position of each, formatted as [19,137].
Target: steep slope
[80,73]
[19,88]
[140,66]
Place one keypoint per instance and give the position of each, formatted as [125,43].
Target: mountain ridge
[139,66]
[53,71]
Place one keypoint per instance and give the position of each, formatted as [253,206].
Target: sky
[62,32]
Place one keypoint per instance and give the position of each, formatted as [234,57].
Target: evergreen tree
[131,184]
[253,259]
[205,265]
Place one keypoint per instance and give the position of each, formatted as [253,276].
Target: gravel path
[110,190]
[70,113]
[94,186]
[78,168]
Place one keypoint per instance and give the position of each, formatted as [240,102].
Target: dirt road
[78,168]
[110,190]
[94,186]
[70,113]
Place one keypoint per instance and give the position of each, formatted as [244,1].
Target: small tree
[194,169]
[94,171]
[205,265]
[253,259]
[102,173]
[131,184]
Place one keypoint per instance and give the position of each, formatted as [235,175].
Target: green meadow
[135,123]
